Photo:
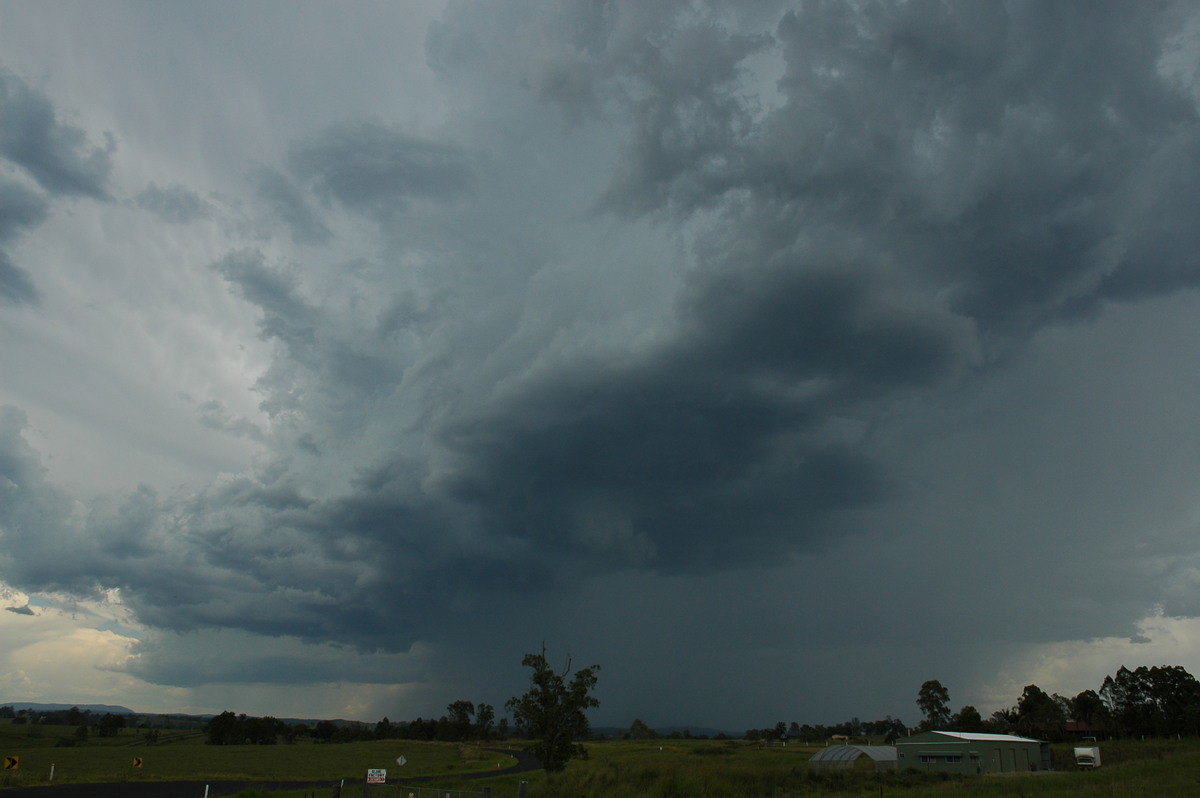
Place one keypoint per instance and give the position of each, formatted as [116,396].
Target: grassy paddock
[188,758]
[712,769]
[630,769]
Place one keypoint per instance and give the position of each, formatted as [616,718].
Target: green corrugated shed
[971,752]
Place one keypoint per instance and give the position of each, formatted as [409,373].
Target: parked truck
[1087,758]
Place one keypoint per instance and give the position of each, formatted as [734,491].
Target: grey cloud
[57,155]
[25,610]
[995,163]
[833,324]
[226,656]
[684,150]
[290,204]
[327,369]
[286,315]
[375,169]
[957,140]
[214,416]
[174,203]
[16,287]
[35,527]
[789,411]
[20,210]
[657,465]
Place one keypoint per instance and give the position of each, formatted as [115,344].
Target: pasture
[628,769]
[736,769]
[183,756]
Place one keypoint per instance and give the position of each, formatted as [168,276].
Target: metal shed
[843,756]
[971,752]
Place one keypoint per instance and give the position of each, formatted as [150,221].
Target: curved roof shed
[843,756]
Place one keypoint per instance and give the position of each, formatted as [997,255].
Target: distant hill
[664,731]
[112,709]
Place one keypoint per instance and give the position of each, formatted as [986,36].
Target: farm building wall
[972,753]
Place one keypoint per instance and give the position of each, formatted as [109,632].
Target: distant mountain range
[112,709]
[663,731]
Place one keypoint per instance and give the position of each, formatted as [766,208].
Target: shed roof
[981,737]
[848,753]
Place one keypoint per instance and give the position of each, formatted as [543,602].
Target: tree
[383,729]
[1156,701]
[459,716]
[933,700]
[485,716]
[1089,708]
[225,729]
[553,711]
[324,731]
[262,731]
[638,730]
[1039,715]
[110,725]
[967,719]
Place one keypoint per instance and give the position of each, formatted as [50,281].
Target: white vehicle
[1087,758]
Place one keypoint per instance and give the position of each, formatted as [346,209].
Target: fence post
[523,790]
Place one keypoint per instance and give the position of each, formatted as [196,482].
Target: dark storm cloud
[57,155]
[1007,171]
[375,169]
[729,432]
[926,187]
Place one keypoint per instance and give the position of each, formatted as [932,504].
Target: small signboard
[376,776]
[12,762]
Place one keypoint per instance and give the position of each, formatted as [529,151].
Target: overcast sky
[775,356]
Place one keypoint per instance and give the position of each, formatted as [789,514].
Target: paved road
[196,789]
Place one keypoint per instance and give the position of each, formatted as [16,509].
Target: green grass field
[712,769]
[629,769]
[185,757]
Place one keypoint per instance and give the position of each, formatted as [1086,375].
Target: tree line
[1157,701]
[889,728]
[464,721]
[85,721]
[552,714]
